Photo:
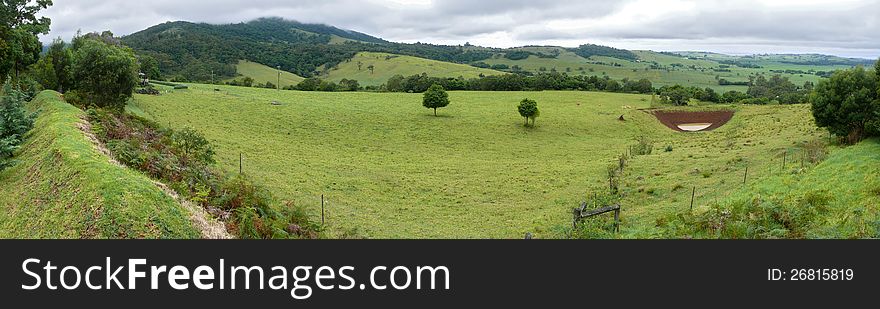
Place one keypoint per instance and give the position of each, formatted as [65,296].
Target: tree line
[762,91]
[517,82]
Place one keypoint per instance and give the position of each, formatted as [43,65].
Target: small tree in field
[435,97]
[528,109]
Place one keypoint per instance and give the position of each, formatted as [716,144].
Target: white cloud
[843,27]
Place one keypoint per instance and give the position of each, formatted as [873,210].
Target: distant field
[262,74]
[389,169]
[388,65]
[694,71]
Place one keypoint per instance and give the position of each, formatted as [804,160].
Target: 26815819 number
[811,274]
[821,274]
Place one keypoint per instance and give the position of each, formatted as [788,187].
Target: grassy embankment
[63,187]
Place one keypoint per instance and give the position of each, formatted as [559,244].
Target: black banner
[480,273]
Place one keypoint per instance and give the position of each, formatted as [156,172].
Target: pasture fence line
[807,157]
[582,212]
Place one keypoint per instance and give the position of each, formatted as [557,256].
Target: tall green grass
[838,198]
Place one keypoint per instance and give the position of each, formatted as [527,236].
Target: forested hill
[192,51]
[186,51]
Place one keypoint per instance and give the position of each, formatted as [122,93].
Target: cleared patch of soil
[687,121]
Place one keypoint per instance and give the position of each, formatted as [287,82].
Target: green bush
[777,217]
[847,105]
[106,74]
[14,123]
[644,146]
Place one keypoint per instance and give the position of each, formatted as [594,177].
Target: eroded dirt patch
[683,121]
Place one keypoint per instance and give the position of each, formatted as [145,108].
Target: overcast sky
[839,27]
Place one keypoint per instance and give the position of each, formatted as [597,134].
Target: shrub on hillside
[14,123]
[644,146]
[791,216]
[848,104]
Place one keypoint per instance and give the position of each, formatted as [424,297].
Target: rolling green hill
[670,69]
[63,187]
[191,51]
[387,65]
[262,74]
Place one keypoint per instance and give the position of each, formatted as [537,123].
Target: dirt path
[209,227]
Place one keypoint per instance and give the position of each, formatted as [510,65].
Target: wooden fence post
[746,175]
[611,185]
[784,154]
[239,164]
[322,209]
[693,194]
[582,212]
[617,220]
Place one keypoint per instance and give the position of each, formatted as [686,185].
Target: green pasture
[389,169]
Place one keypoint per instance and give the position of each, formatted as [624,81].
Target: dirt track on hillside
[673,119]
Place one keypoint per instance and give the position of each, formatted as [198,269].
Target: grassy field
[262,74]
[689,71]
[388,65]
[64,188]
[389,169]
